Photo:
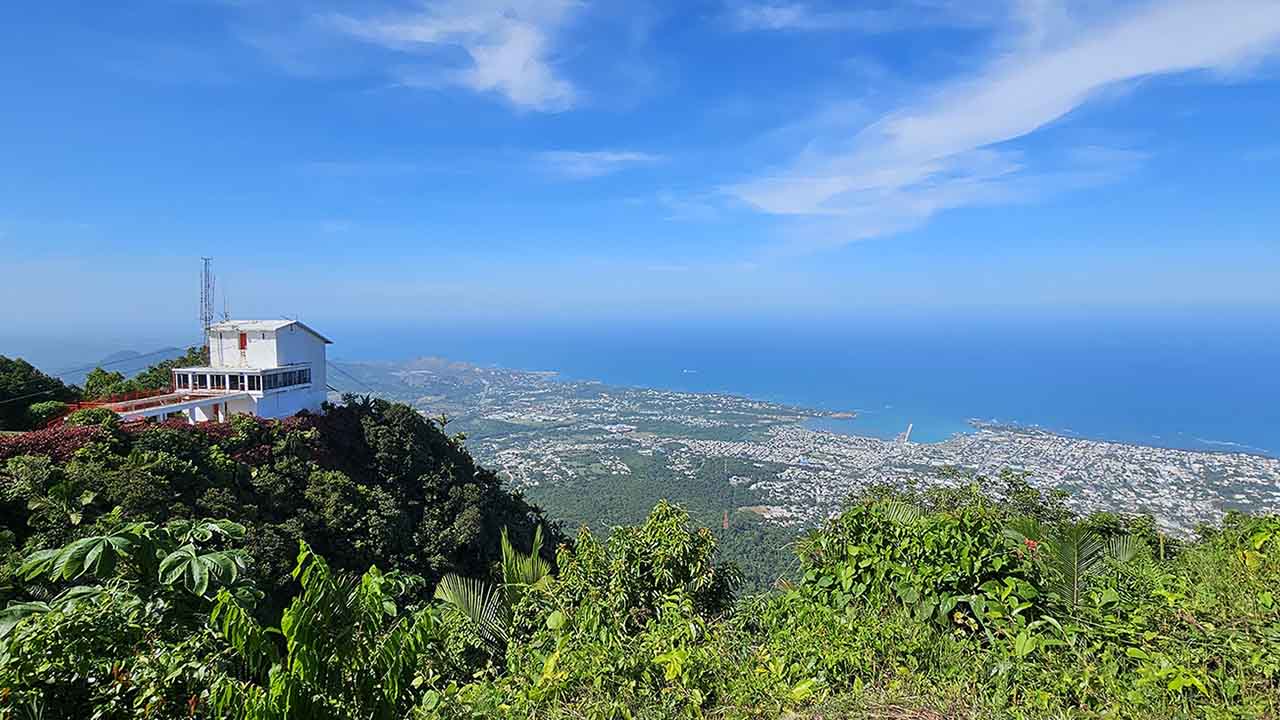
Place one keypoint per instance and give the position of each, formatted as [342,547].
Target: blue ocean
[1204,383]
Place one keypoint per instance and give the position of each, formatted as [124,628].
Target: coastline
[972,425]
[884,423]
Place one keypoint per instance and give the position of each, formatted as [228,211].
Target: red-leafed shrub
[58,442]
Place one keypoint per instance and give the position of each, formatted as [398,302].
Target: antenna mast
[206,300]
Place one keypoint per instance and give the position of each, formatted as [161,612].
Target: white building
[268,368]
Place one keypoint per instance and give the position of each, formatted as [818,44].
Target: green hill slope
[261,569]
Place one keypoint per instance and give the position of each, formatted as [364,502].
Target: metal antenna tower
[206,299]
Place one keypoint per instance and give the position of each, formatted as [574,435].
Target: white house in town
[268,368]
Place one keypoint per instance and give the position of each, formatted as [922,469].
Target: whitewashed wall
[224,350]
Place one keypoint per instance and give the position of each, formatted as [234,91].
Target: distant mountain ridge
[125,362]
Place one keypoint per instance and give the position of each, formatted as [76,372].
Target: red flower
[1031,544]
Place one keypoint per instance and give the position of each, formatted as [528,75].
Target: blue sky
[541,161]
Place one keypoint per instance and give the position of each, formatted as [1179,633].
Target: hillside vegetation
[358,564]
[24,387]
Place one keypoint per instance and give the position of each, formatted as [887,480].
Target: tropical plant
[1073,553]
[349,650]
[127,640]
[64,502]
[149,555]
[489,607]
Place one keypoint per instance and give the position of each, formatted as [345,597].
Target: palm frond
[479,602]
[1077,553]
[1021,529]
[1124,548]
[521,571]
[899,512]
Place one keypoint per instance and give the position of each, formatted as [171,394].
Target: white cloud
[585,165]
[509,46]
[943,152]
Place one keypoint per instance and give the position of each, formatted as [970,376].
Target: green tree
[21,386]
[159,376]
[101,383]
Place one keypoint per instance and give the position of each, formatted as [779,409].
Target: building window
[275,381]
[244,341]
[219,382]
[202,381]
[235,382]
[184,380]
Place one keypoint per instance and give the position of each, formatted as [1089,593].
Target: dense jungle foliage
[365,483]
[359,565]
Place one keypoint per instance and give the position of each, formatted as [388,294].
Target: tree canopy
[101,383]
[367,482]
[21,386]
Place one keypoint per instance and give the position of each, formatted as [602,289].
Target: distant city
[542,433]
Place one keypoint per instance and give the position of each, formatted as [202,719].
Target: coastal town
[541,432]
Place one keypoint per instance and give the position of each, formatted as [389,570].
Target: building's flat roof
[264,326]
[185,404]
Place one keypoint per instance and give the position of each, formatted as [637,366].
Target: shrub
[41,413]
[93,417]
[952,567]
[59,442]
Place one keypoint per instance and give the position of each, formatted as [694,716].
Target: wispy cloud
[945,151]
[585,165]
[689,207]
[891,17]
[509,46]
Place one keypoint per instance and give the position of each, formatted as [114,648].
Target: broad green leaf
[555,620]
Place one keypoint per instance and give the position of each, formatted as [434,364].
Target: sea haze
[1204,383]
